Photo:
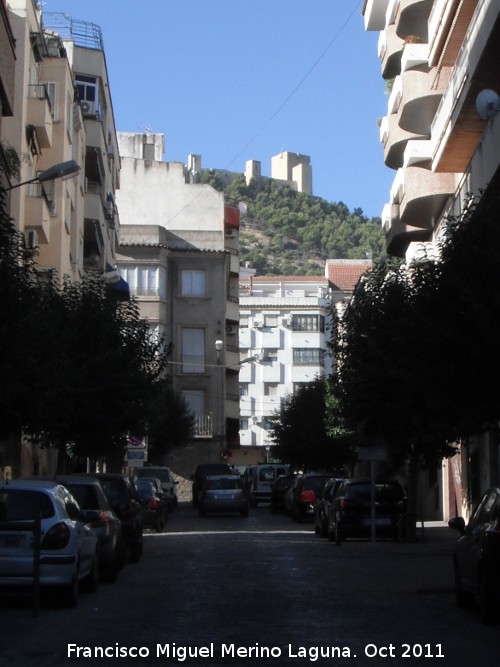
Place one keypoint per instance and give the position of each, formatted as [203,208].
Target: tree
[300,435]
[169,422]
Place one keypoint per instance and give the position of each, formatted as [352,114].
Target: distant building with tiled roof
[343,274]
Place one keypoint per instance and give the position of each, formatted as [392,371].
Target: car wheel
[135,550]
[463,599]
[331,535]
[110,572]
[91,581]
[487,601]
[69,592]
[159,524]
[339,536]
[244,513]
[323,531]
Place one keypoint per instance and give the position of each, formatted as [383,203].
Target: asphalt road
[230,591]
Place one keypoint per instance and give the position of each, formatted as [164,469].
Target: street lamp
[61,170]
[220,398]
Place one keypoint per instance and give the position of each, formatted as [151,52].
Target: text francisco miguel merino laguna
[183,653]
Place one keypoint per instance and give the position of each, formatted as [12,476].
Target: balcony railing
[203,426]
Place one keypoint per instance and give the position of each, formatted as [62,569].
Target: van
[167,482]
[261,479]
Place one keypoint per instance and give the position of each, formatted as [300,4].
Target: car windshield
[145,486]
[224,483]
[21,505]
[116,491]
[315,484]
[383,492]
[85,496]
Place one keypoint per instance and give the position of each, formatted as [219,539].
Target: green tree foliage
[289,232]
[79,368]
[300,435]
[169,422]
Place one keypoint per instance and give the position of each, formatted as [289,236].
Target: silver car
[222,493]
[68,554]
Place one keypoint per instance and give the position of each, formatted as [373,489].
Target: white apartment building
[285,326]
[441,135]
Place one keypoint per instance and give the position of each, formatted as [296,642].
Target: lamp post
[220,398]
[61,170]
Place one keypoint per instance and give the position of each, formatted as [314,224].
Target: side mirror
[457,523]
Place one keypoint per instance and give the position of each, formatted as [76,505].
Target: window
[270,389]
[193,283]
[193,350]
[243,424]
[244,322]
[308,356]
[308,323]
[144,279]
[88,93]
[195,400]
[244,389]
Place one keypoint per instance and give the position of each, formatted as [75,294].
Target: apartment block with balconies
[441,135]
[436,56]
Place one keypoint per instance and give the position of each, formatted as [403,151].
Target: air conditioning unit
[231,328]
[258,324]
[256,419]
[287,321]
[230,233]
[31,239]
[88,108]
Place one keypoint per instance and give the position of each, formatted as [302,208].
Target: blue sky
[236,80]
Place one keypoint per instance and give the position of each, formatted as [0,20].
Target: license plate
[10,541]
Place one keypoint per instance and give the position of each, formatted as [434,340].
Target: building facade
[179,255]
[285,327]
[441,135]
[50,66]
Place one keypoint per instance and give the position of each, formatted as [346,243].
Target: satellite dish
[487,104]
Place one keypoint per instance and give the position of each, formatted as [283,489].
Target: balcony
[422,90]
[37,212]
[374,14]
[398,236]
[457,129]
[412,17]
[390,50]
[423,196]
[395,140]
[203,426]
[448,23]
[38,114]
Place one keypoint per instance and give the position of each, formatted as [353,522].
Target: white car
[68,545]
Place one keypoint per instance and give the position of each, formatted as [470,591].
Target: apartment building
[179,254]
[59,65]
[441,135]
[51,66]
[285,326]
[7,75]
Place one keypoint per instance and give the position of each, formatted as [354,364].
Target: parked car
[168,483]
[122,495]
[202,472]
[154,507]
[260,482]
[111,547]
[224,494]
[476,558]
[350,514]
[322,506]
[278,492]
[303,494]
[68,554]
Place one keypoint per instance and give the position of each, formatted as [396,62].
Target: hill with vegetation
[284,232]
